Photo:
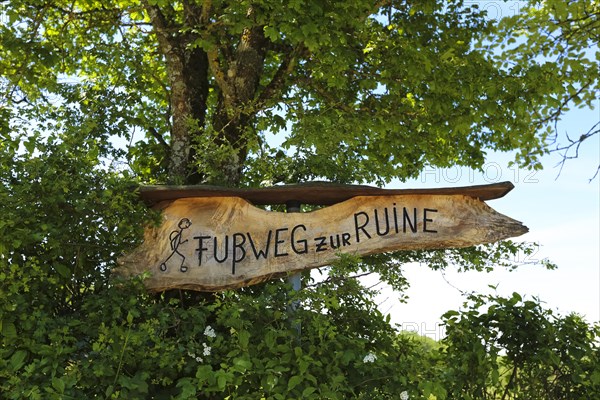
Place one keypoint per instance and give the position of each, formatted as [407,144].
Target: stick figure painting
[175,241]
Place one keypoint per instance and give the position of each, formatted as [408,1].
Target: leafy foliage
[352,92]
[504,348]
[556,42]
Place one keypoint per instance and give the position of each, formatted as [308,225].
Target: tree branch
[205,14]
[162,27]
[510,382]
[218,73]
[158,137]
[278,81]
[339,279]
[565,149]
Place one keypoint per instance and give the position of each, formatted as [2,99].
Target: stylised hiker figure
[175,239]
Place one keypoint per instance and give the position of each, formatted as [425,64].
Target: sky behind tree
[561,209]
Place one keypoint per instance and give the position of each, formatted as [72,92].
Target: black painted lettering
[279,241]
[359,228]
[396,219]
[426,220]
[346,238]
[387,223]
[260,253]
[321,243]
[302,243]
[226,252]
[336,244]
[413,225]
[238,246]
[201,247]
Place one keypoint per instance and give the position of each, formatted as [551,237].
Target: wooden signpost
[215,238]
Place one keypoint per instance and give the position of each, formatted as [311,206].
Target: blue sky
[562,213]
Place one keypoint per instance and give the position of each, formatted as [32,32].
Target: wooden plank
[314,193]
[215,243]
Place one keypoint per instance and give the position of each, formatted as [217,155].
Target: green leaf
[188,389]
[204,372]
[271,33]
[9,330]
[595,378]
[63,271]
[17,360]
[515,298]
[30,145]
[294,381]
[58,384]
[242,364]
[244,338]
[221,382]
[495,376]
[129,318]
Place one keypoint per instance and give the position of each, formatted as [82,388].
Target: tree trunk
[187,70]
[236,74]
[235,108]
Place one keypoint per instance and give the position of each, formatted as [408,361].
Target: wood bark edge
[311,193]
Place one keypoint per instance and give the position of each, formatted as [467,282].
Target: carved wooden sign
[214,243]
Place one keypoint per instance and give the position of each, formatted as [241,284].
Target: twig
[338,279]
[158,137]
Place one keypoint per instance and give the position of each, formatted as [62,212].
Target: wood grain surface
[216,243]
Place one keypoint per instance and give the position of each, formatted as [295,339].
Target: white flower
[206,350]
[404,395]
[370,358]
[210,332]
[199,359]
[191,354]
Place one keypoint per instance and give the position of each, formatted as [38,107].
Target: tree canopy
[204,85]
[100,96]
